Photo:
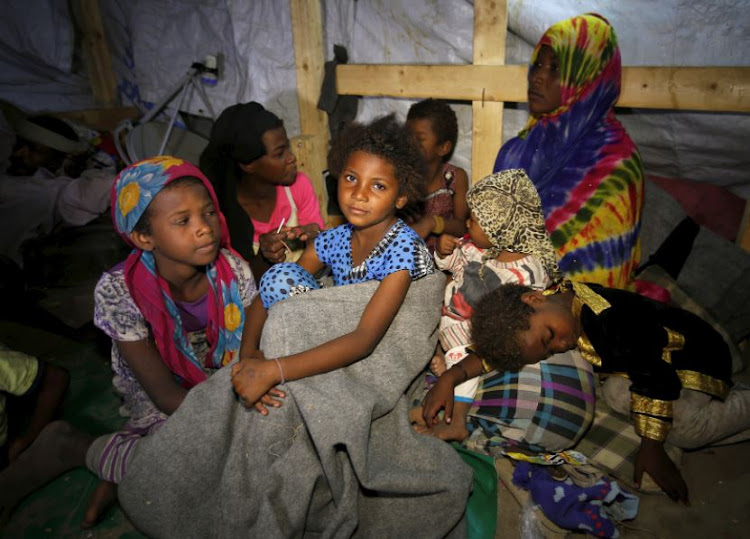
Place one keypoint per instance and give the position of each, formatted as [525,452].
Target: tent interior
[106,65]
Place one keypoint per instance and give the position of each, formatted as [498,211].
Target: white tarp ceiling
[153,42]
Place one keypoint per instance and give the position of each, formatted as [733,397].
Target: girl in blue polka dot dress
[380,171]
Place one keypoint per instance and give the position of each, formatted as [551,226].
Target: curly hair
[390,140]
[443,119]
[498,319]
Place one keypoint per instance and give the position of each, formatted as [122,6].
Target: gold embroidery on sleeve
[651,427]
[703,382]
[675,341]
[593,301]
[652,418]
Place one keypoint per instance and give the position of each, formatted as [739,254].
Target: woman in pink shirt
[271,208]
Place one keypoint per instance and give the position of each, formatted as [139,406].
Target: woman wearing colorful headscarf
[587,170]
[271,207]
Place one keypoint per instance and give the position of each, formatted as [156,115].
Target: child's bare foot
[102,499]
[415,416]
[456,430]
[57,449]
[437,364]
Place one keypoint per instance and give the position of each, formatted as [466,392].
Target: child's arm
[653,459]
[255,319]
[253,377]
[256,314]
[49,395]
[440,395]
[457,225]
[152,373]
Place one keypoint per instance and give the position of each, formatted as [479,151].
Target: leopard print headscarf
[507,207]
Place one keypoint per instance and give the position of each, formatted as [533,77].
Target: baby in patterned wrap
[506,243]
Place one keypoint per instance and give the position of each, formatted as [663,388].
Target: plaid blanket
[547,406]
[610,445]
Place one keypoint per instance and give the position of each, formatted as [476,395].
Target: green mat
[91,405]
[481,510]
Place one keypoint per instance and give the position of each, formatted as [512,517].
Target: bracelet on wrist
[439,225]
[281,371]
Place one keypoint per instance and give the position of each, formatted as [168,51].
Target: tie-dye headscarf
[508,210]
[133,190]
[585,167]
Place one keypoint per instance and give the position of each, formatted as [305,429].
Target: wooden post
[490,29]
[743,235]
[306,148]
[307,34]
[98,59]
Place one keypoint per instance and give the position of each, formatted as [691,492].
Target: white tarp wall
[153,42]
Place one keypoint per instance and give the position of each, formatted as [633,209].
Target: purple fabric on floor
[591,509]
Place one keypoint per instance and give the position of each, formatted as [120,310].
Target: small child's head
[433,123]
[506,212]
[167,206]
[248,139]
[514,325]
[386,145]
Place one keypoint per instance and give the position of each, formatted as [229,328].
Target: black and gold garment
[660,348]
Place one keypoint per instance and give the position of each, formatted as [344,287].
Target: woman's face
[279,165]
[544,83]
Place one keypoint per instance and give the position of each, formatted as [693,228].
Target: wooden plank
[309,59]
[312,162]
[97,57]
[725,89]
[307,34]
[100,119]
[490,29]
[743,235]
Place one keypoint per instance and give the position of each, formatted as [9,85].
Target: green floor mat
[92,406]
[481,510]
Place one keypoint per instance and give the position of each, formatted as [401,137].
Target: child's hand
[447,244]
[439,397]
[253,379]
[305,232]
[272,246]
[653,459]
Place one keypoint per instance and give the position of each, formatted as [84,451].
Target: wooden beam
[97,57]
[307,150]
[309,59]
[725,89]
[743,235]
[490,29]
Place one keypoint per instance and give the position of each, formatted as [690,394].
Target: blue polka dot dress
[400,249]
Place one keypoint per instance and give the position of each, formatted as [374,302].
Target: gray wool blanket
[339,459]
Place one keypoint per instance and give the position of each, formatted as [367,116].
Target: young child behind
[31,392]
[507,243]
[379,171]
[175,310]
[433,123]
[677,366]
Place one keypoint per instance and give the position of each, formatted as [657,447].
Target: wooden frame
[487,83]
